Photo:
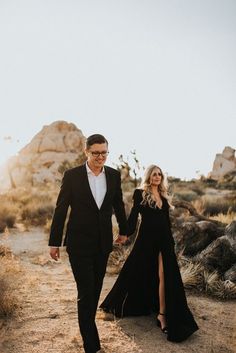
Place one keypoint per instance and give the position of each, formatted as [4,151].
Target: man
[92,191]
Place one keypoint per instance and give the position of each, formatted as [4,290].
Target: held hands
[55,253]
[121,239]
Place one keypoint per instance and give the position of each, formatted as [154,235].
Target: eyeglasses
[96,154]
[155,174]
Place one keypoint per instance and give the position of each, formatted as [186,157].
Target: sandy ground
[47,318]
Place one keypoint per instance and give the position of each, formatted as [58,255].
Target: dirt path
[47,320]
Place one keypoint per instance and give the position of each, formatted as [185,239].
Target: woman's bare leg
[162,303]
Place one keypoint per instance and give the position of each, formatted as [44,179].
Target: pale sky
[158,76]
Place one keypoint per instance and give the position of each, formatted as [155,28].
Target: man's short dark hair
[96,138]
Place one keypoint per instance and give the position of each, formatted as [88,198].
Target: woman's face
[155,177]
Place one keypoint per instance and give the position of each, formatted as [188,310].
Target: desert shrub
[2,225]
[33,206]
[228,181]
[218,288]
[5,252]
[198,189]
[19,195]
[117,258]
[36,213]
[187,190]
[209,182]
[186,195]
[39,207]
[225,218]
[173,180]
[199,205]
[8,213]
[23,196]
[214,205]
[7,300]
[224,185]
[65,165]
[47,225]
[10,276]
[197,278]
[192,276]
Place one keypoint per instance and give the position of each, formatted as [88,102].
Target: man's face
[97,155]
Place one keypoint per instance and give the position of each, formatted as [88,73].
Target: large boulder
[224,163]
[219,256]
[40,160]
[230,275]
[192,237]
[230,231]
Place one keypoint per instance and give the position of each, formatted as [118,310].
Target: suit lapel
[87,187]
[108,180]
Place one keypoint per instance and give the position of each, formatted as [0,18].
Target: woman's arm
[133,217]
[169,224]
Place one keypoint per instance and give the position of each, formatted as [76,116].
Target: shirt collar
[89,171]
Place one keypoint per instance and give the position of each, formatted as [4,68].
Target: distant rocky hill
[224,163]
[61,145]
[38,162]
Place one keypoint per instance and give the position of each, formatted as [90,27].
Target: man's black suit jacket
[89,229]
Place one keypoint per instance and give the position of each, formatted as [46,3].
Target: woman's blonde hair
[146,187]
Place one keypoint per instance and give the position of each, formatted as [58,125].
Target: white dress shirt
[98,185]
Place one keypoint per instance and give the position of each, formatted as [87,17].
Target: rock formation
[39,161]
[224,163]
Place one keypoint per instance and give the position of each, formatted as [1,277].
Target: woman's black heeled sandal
[164,329]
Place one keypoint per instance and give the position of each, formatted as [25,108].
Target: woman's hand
[121,239]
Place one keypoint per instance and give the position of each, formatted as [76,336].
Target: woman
[150,279]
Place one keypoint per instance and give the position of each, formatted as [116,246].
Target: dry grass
[10,274]
[8,302]
[194,276]
[186,195]
[209,197]
[218,288]
[39,207]
[225,218]
[199,205]
[5,252]
[214,204]
[47,226]
[33,206]
[117,258]
[8,213]
[37,213]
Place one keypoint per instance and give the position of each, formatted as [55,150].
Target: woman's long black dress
[135,291]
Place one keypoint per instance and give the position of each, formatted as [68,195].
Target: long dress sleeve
[133,217]
[119,209]
[169,225]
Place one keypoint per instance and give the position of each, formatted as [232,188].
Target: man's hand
[121,239]
[55,253]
